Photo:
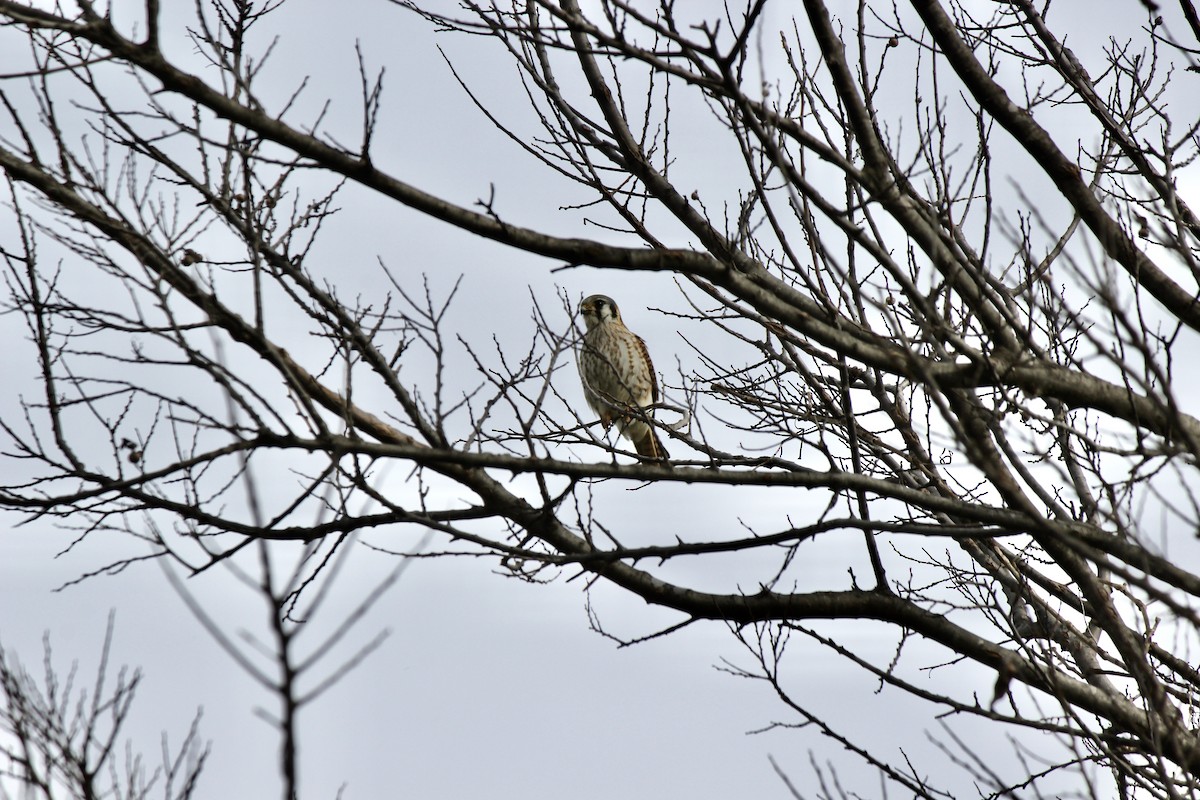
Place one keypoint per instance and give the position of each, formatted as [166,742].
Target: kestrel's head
[597,309]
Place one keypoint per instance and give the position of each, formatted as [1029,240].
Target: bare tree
[64,744]
[936,270]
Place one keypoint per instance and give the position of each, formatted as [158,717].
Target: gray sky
[487,687]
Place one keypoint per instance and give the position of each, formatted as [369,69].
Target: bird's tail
[647,443]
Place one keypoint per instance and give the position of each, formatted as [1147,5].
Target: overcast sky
[487,687]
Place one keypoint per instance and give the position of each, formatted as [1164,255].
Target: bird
[617,375]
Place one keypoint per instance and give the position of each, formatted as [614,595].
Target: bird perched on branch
[618,377]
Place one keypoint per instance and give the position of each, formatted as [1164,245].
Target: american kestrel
[618,378]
